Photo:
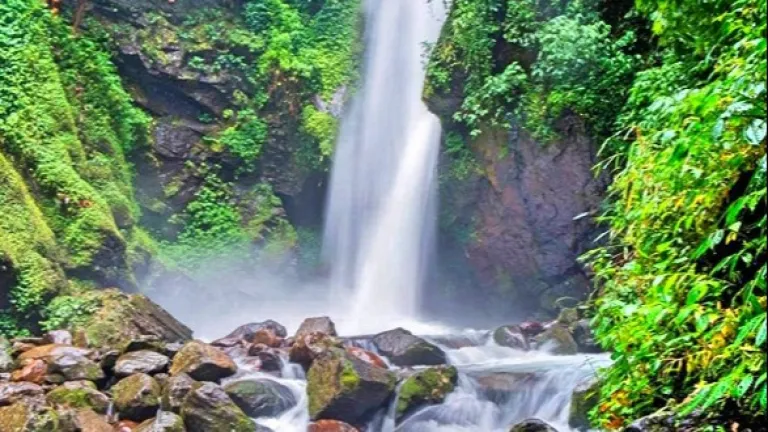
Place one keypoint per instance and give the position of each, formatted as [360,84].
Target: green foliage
[682,299]
[322,127]
[246,138]
[65,125]
[564,58]
[69,311]
[463,163]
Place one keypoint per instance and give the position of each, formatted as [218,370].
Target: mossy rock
[175,389]
[79,397]
[207,408]
[585,397]
[343,387]
[28,417]
[402,348]
[261,397]
[428,387]
[121,318]
[137,397]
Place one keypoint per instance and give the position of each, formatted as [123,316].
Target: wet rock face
[261,398]
[402,348]
[428,387]
[519,212]
[342,387]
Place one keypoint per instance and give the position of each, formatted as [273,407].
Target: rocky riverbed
[143,371]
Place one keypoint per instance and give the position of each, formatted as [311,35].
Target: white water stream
[381,209]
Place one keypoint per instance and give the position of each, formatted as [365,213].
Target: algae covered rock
[261,397]
[79,395]
[557,340]
[164,422]
[137,397]
[343,387]
[202,362]
[207,408]
[404,349]
[427,387]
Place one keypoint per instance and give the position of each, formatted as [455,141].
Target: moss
[22,417]
[349,378]
[79,398]
[430,386]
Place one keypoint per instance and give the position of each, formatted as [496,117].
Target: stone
[33,371]
[58,337]
[144,343]
[137,397]
[79,396]
[427,387]
[532,328]
[343,387]
[568,316]
[175,390]
[511,336]
[28,417]
[246,332]
[148,362]
[87,420]
[12,392]
[202,362]
[269,359]
[557,340]
[402,348]
[164,422]
[126,426]
[585,396]
[331,426]
[261,397]
[585,339]
[307,348]
[533,425]
[207,408]
[367,356]
[70,363]
[317,325]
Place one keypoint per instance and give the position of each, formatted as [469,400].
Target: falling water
[381,208]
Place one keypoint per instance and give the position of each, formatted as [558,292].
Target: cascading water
[381,208]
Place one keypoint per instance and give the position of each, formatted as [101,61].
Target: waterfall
[381,210]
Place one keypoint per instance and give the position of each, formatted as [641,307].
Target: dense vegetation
[681,275]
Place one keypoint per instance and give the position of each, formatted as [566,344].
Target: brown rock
[202,362]
[33,371]
[317,325]
[88,421]
[309,347]
[367,357]
[330,426]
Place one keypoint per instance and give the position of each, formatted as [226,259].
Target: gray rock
[533,425]
[261,398]
[317,325]
[207,408]
[404,349]
[164,422]
[148,362]
[137,397]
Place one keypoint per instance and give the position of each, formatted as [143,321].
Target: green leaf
[756,131]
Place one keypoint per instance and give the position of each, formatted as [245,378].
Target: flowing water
[381,208]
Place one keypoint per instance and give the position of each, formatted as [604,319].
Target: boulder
[12,392]
[585,339]
[122,317]
[568,316]
[250,331]
[268,358]
[66,362]
[85,420]
[511,336]
[202,362]
[532,328]
[557,340]
[330,426]
[533,425]
[317,325]
[261,397]
[427,387]
[79,395]
[343,387]
[147,362]
[307,348]
[164,422]
[402,348]
[28,417]
[585,397]
[137,397]
[144,343]
[207,408]
[175,390]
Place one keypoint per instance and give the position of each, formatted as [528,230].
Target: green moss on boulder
[137,397]
[428,387]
